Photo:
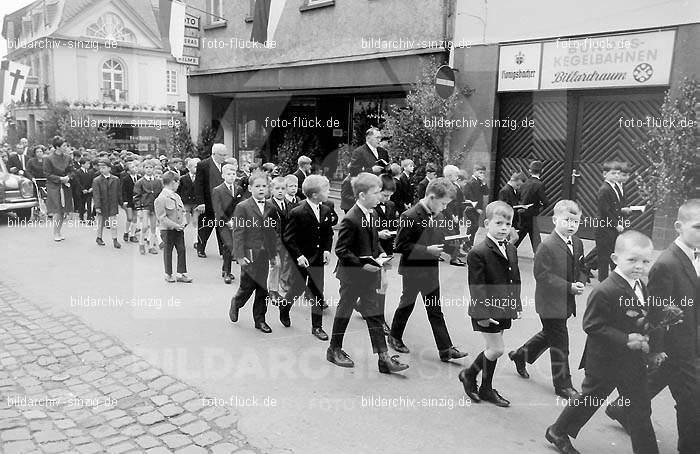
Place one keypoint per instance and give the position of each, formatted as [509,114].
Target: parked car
[17,193]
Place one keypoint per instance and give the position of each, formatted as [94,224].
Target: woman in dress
[58,169]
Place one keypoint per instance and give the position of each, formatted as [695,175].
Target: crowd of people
[280,230]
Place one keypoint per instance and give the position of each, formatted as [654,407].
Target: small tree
[413,134]
[296,142]
[206,140]
[670,149]
[180,141]
[87,134]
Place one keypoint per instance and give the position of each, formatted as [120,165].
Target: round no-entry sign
[445,81]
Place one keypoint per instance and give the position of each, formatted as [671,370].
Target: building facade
[108,61]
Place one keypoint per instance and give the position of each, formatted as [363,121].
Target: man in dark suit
[224,199]
[510,193]
[357,243]
[609,218]
[675,279]
[17,161]
[614,355]
[403,197]
[303,171]
[419,241]
[474,190]
[532,193]
[364,158]
[255,245]
[559,274]
[430,174]
[208,177]
[308,237]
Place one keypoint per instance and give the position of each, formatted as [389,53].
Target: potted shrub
[670,149]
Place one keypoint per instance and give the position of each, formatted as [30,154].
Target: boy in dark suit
[255,245]
[474,191]
[357,244]
[454,213]
[430,174]
[387,226]
[107,196]
[420,241]
[559,275]
[308,237]
[224,199]
[347,197]
[278,188]
[129,179]
[85,178]
[510,193]
[532,193]
[303,170]
[494,288]
[675,279]
[403,197]
[609,217]
[146,189]
[186,191]
[614,356]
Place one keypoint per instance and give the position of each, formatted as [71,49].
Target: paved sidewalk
[65,387]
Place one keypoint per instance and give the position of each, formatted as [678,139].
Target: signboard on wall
[519,67]
[630,60]
[641,59]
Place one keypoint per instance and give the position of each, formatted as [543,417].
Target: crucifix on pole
[16,77]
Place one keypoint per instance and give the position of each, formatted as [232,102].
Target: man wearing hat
[532,193]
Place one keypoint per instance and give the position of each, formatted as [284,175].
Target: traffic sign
[445,81]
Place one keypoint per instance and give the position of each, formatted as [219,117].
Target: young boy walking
[170,213]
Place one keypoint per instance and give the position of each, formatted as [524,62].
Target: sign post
[445,81]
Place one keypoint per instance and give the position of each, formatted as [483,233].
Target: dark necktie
[503,243]
[570,244]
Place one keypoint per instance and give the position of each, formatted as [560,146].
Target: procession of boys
[281,231]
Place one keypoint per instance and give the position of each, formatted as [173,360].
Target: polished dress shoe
[228,279]
[567,393]
[284,318]
[561,441]
[386,329]
[125,237]
[491,395]
[469,383]
[451,353]
[397,344]
[264,327]
[457,262]
[338,357]
[319,333]
[519,364]
[391,365]
[99,241]
[233,311]
[617,413]
[201,254]
[133,239]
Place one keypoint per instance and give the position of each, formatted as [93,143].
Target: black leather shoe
[386,329]
[397,344]
[324,306]
[567,393]
[264,327]
[125,237]
[99,241]
[284,318]
[391,365]
[116,244]
[451,353]
[338,357]
[561,441]
[201,254]
[457,262]
[233,311]
[227,279]
[469,383]
[320,334]
[617,413]
[519,364]
[491,395]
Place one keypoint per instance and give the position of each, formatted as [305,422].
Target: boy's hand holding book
[656,359]
[435,249]
[304,262]
[636,341]
[577,288]
[326,257]
[487,322]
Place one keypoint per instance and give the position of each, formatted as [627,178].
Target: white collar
[687,250]
[374,149]
[278,202]
[364,210]
[565,239]
[313,205]
[491,237]
[289,198]
[627,279]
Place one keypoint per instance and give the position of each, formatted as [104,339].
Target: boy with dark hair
[107,195]
[170,213]
[474,191]
[559,275]
[430,174]
[224,199]
[420,241]
[609,217]
[532,193]
[614,356]
[403,197]
[494,287]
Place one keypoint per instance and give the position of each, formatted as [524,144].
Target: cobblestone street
[66,387]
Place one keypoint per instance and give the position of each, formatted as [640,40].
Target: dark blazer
[507,194]
[35,168]
[356,240]
[533,192]
[301,177]
[611,315]
[306,236]
[347,196]
[254,231]
[609,214]
[420,189]
[414,236]
[85,179]
[282,214]
[186,189]
[128,189]
[107,195]
[555,270]
[456,205]
[224,203]
[494,282]
[363,159]
[242,181]
[332,214]
[388,219]
[475,191]
[145,193]
[208,177]
[403,196]
[673,276]
[14,161]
